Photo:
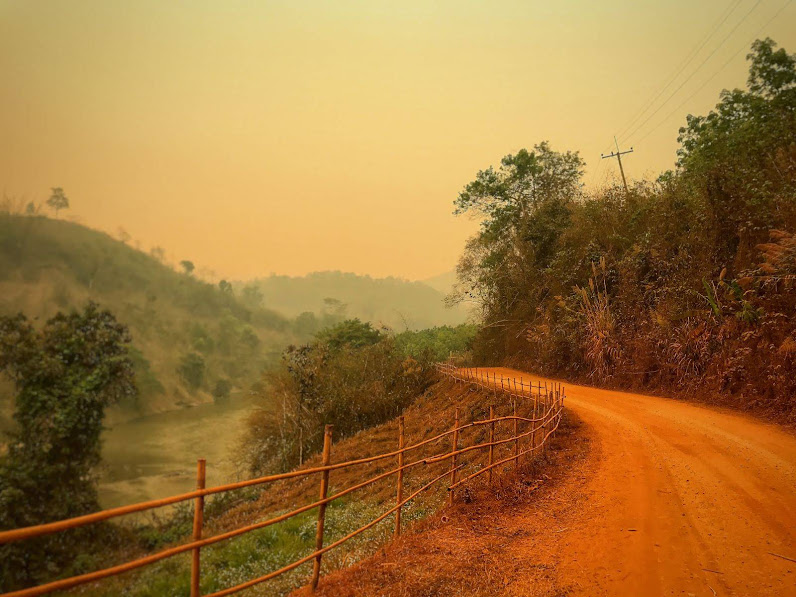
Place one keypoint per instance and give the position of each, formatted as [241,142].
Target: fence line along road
[542,403]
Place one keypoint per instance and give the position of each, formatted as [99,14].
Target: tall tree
[58,200]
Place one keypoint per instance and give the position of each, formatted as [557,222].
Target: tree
[506,198]
[225,287]
[525,207]
[740,157]
[192,369]
[222,389]
[58,200]
[351,332]
[65,376]
[252,295]
[123,235]
[187,266]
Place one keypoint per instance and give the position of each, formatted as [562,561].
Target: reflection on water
[155,456]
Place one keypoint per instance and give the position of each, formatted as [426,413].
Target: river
[155,456]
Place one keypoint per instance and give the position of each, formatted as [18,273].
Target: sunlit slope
[176,320]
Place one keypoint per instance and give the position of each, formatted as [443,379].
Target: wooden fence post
[400,476]
[547,393]
[327,452]
[198,521]
[516,441]
[453,455]
[491,440]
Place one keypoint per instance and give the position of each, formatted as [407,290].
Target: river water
[155,456]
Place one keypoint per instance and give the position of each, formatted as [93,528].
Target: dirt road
[683,499]
[643,496]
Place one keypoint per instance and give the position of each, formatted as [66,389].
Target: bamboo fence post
[198,522]
[400,476]
[327,451]
[491,440]
[516,441]
[454,446]
[547,392]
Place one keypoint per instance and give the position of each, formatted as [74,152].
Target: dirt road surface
[650,496]
[682,498]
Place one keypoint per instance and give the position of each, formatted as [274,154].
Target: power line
[676,73]
[695,71]
[680,67]
[715,74]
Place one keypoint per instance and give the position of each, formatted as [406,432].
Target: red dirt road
[682,499]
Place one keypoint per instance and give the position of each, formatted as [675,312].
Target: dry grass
[484,544]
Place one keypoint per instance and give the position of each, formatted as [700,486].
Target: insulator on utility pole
[618,155]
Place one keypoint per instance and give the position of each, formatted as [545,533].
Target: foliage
[351,376]
[436,344]
[187,266]
[47,265]
[192,369]
[57,200]
[222,389]
[680,284]
[351,333]
[65,375]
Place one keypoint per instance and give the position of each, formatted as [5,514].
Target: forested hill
[192,341]
[396,303]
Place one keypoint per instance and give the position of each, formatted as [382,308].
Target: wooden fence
[541,402]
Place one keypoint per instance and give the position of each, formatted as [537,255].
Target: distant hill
[442,282]
[49,265]
[396,303]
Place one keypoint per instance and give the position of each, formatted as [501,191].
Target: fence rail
[543,403]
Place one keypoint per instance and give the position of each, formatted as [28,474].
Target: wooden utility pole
[618,155]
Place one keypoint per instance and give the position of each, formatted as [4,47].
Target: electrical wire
[698,68]
[683,64]
[715,74]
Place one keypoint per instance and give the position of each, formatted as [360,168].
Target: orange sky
[257,137]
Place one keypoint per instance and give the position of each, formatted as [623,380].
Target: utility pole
[618,155]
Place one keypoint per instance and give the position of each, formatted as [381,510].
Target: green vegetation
[436,344]
[187,334]
[684,283]
[327,297]
[259,552]
[65,376]
[352,376]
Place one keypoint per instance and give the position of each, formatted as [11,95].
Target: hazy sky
[257,137]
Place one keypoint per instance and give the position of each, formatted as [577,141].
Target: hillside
[190,338]
[267,549]
[443,283]
[396,303]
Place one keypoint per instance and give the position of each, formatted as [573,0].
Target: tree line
[683,283]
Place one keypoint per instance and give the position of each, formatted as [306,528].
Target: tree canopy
[65,375]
